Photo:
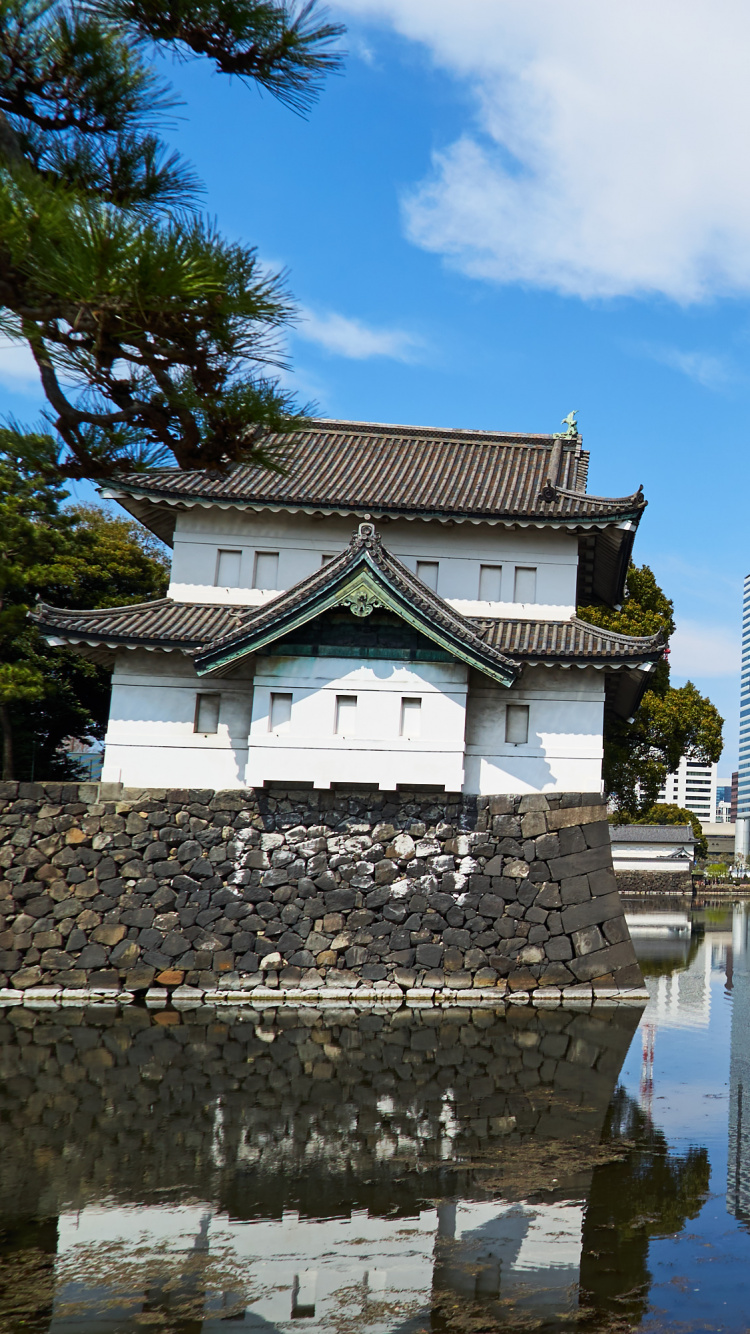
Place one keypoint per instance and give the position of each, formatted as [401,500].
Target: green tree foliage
[670,721]
[155,338]
[73,557]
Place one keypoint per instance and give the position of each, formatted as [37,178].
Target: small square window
[427,571]
[280,713]
[517,724]
[411,718]
[525,584]
[266,571]
[228,569]
[303,1295]
[346,715]
[490,577]
[207,713]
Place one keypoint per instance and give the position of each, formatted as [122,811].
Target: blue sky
[506,209]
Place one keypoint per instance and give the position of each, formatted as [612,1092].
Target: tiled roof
[566,640]
[365,467]
[195,626]
[161,623]
[651,833]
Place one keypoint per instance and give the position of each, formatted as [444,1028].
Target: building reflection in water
[738,1166]
[327,1170]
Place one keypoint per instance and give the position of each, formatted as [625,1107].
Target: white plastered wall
[151,741]
[376,752]
[564,749]
[301,541]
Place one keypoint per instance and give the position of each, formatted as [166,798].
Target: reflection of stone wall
[307,889]
[654,882]
[298,1108]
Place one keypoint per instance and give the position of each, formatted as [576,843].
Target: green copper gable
[363,579]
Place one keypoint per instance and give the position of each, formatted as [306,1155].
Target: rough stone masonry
[300,890]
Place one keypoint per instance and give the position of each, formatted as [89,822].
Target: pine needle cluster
[156,340]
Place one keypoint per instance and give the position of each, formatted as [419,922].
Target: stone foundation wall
[654,882]
[105,887]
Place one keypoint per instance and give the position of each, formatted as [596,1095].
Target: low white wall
[311,750]
[150,739]
[630,862]
[564,750]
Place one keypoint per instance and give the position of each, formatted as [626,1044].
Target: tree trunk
[7,730]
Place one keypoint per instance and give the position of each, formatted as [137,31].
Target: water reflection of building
[680,969]
[315,1171]
[738,1166]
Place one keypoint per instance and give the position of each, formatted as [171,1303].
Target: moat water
[381,1172]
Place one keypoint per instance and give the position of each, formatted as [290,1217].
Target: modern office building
[734,791]
[693,787]
[742,824]
[724,803]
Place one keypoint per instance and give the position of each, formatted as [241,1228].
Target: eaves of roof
[573,640]
[647,833]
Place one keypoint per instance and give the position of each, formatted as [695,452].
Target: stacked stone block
[305,889]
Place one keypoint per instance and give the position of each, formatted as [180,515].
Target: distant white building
[693,787]
[652,847]
[397,607]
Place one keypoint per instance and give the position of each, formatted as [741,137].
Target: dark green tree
[74,557]
[155,339]
[651,1192]
[670,721]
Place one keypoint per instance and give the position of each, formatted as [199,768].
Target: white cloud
[18,370]
[351,338]
[609,150]
[697,649]
[710,371]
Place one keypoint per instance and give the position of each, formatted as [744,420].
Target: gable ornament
[361,603]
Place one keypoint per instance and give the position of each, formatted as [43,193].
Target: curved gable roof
[364,576]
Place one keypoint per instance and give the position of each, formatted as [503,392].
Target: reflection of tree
[651,1192]
[665,965]
[27,1276]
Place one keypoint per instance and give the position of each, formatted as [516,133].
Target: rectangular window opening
[228,569]
[517,724]
[490,577]
[280,713]
[346,715]
[207,713]
[427,571]
[525,584]
[303,1295]
[266,571]
[411,718]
